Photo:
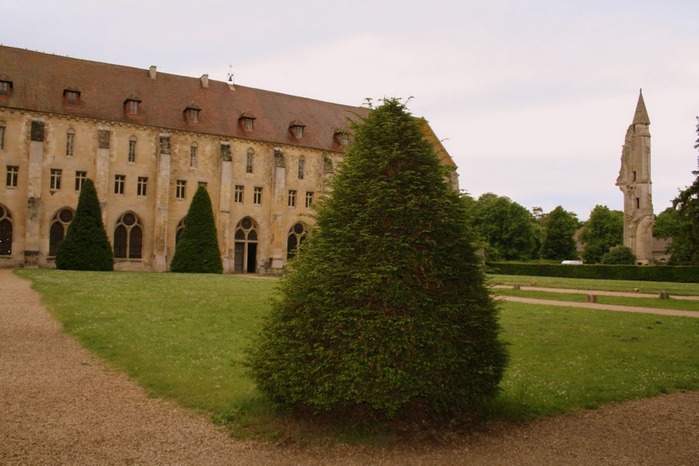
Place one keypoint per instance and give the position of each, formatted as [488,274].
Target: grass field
[183,337]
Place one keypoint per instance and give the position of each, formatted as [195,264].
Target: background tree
[558,230]
[619,255]
[197,251]
[385,312]
[602,231]
[505,226]
[86,245]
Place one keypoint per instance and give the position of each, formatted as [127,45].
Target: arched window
[5,231]
[249,160]
[59,228]
[297,234]
[245,255]
[193,155]
[180,230]
[128,237]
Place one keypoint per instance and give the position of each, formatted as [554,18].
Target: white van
[571,262]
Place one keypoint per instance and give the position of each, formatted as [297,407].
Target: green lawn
[183,336]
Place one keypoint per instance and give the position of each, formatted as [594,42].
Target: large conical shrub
[384,311]
[86,245]
[197,251]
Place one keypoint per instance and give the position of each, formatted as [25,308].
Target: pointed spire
[641,115]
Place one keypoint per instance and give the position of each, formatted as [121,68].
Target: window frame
[11,176]
[131,157]
[70,143]
[5,89]
[80,177]
[257,195]
[193,155]
[3,131]
[142,186]
[291,198]
[250,161]
[55,176]
[71,98]
[239,194]
[310,195]
[119,183]
[181,189]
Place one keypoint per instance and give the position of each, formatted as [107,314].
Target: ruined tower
[635,183]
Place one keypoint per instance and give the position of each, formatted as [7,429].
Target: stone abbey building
[148,139]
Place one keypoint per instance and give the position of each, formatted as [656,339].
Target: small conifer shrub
[86,245]
[197,250]
[384,313]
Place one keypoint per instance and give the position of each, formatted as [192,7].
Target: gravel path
[61,405]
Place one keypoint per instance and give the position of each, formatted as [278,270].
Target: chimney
[204,81]
[152,71]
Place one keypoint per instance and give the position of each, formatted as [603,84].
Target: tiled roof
[39,81]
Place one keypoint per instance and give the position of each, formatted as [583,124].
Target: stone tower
[634,181]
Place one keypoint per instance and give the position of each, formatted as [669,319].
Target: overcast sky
[532,98]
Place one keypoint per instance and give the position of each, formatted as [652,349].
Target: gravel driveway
[61,405]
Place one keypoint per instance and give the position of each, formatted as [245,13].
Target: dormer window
[247,121]
[342,138]
[191,114]
[5,89]
[131,106]
[296,127]
[71,98]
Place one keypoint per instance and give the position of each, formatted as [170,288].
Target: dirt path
[60,405]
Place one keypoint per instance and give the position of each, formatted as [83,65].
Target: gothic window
[245,253]
[132,149]
[193,155]
[128,237]
[249,160]
[70,143]
[180,230]
[302,168]
[5,232]
[80,178]
[12,176]
[59,228]
[297,234]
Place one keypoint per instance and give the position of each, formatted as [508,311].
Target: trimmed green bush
[197,251]
[660,273]
[384,312]
[620,255]
[86,245]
